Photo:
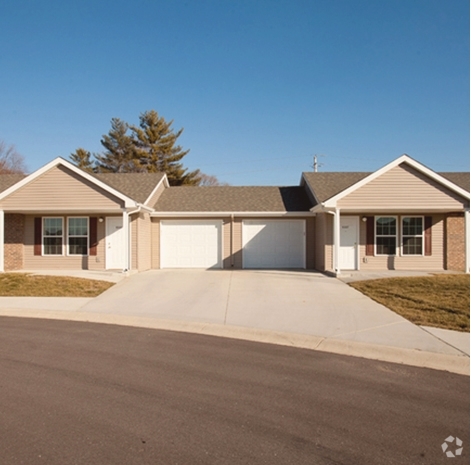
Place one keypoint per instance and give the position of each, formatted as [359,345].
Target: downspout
[232,240]
[2,241]
[336,238]
[127,236]
[467,239]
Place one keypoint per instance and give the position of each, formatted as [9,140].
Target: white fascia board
[219,214]
[332,202]
[128,202]
[164,180]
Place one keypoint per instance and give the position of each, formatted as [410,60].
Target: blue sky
[258,86]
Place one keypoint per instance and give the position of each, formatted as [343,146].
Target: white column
[2,241]
[127,245]
[336,240]
[467,239]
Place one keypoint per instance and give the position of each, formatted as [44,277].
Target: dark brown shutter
[428,235]
[370,235]
[93,236]
[37,236]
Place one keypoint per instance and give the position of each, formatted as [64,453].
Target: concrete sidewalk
[294,308]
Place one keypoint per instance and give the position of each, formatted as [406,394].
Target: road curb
[451,363]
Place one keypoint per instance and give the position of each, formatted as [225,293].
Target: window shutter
[93,236]
[370,235]
[37,236]
[428,235]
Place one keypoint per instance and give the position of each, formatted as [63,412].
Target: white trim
[67,245]
[402,159]
[396,217]
[401,240]
[337,241]
[187,214]
[42,235]
[166,184]
[128,202]
[2,241]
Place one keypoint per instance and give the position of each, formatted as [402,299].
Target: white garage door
[274,244]
[191,244]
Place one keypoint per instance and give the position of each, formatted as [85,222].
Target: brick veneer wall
[455,242]
[14,239]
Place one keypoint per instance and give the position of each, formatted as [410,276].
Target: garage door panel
[274,244]
[191,244]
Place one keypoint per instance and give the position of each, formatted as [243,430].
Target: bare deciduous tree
[210,180]
[11,162]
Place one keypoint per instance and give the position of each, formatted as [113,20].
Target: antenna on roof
[316,164]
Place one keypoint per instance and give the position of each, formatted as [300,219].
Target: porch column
[336,240]
[467,239]
[2,241]
[127,245]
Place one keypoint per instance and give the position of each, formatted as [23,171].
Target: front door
[348,242]
[115,249]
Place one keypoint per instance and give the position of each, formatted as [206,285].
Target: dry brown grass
[27,285]
[440,300]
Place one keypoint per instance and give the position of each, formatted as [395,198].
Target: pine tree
[155,149]
[119,156]
[83,159]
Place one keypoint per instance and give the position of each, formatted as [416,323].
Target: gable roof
[233,199]
[137,186]
[332,186]
[8,180]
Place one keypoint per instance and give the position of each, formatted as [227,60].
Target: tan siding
[153,200]
[398,262]
[237,244]
[310,243]
[402,188]
[227,244]
[320,242]
[36,262]
[134,240]
[143,242]
[60,189]
[155,246]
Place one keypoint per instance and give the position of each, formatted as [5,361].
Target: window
[52,236]
[77,231]
[386,234]
[412,235]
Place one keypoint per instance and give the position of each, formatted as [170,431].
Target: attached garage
[191,243]
[274,243]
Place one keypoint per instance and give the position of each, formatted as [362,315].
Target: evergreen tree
[156,149]
[83,159]
[119,156]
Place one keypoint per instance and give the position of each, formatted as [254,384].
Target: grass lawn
[28,285]
[441,300]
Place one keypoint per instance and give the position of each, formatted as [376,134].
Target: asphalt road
[80,393]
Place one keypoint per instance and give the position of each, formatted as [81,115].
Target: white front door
[348,242]
[115,247]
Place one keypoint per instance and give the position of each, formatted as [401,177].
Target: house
[403,216]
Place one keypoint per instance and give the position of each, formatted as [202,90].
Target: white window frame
[69,236]
[44,218]
[397,237]
[408,235]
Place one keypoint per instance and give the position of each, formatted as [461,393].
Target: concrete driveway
[302,303]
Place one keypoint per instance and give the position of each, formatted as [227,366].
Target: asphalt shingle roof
[230,198]
[137,186]
[327,184]
[7,180]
